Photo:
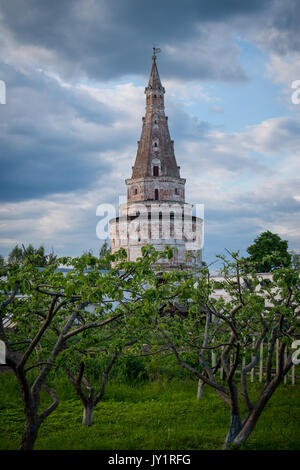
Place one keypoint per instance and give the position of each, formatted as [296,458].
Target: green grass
[153,415]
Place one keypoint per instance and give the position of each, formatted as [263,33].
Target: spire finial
[156,50]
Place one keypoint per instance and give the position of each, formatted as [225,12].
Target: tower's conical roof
[155,144]
[154,80]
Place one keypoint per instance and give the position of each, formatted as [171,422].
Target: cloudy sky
[75,72]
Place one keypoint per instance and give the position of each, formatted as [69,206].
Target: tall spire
[155,144]
[154,80]
[156,211]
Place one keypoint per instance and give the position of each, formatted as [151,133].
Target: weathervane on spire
[156,50]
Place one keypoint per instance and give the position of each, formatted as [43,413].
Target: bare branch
[190,368]
[92,325]
[38,364]
[39,334]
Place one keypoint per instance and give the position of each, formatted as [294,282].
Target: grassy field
[152,415]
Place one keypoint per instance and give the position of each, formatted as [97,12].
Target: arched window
[156,194]
[135,191]
[155,143]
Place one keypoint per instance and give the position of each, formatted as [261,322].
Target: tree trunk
[250,422]
[29,436]
[87,418]
[245,431]
[252,418]
[234,429]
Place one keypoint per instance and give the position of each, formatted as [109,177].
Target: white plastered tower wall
[156,212]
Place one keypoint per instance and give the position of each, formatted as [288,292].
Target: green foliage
[16,255]
[268,252]
[36,255]
[132,369]
[104,256]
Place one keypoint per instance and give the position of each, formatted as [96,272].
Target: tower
[156,211]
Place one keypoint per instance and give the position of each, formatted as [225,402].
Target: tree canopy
[268,252]
[103,255]
[37,255]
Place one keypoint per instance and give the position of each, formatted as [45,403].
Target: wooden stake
[253,369]
[213,359]
[293,375]
[285,358]
[277,356]
[261,361]
[221,368]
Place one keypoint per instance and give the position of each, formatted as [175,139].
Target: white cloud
[284,70]
[188,93]
[124,98]
[23,56]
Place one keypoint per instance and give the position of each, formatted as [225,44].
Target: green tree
[16,255]
[268,252]
[219,331]
[53,325]
[104,253]
[101,351]
[37,255]
[2,261]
